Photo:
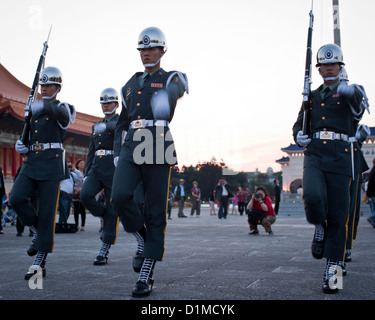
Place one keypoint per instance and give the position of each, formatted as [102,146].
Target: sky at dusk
[244,60]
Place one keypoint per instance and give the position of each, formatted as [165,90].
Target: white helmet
[109,95]
[344,75]
[329,53]
[152,37]
[51,75]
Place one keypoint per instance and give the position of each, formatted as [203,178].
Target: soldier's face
[329,70]
[151,55]
[108,107]
[48,90]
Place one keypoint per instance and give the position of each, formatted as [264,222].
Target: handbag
[255,217]
[65,227]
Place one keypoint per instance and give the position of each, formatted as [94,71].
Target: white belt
[330,135]
[143,123]
[45,146]
[103,152]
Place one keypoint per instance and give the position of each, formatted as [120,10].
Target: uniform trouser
[355,203]
[44,218]
[155,180]
[91,187]
[326,198]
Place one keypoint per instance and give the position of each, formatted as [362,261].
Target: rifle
[33,93]
[307,83]
[336,23]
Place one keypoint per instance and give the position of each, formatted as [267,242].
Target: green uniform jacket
[332,113]
[47,164]
[136,105]
[102,165]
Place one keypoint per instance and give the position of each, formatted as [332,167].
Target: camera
[70,167]
[258,195]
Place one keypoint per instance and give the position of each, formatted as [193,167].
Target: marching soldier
[99,172]
[328,166]
[44,167]
[149,99]
[360,166]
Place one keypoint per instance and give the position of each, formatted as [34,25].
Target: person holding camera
[260,211]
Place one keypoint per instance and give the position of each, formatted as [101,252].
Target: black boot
[143,287]
[138,259]
[348,255]
[342,265]
[102,257]
[138,262]
[39,262]
[331,281]
[317,246]
[31,251]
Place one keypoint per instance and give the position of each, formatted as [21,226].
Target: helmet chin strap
[111,112]
[151,65]
[51,97]
[331,78]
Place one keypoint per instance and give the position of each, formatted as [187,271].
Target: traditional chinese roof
[13,99]
[292,148]
[283,160]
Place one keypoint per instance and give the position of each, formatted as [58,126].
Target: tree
[208,174]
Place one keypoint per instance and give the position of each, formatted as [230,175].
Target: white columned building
[292,164]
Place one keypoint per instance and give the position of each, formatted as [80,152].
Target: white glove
[100,127]
[345,90]
[303,139]
[115,160]
[362,132]
[20,147]
[37,106]
[160,105]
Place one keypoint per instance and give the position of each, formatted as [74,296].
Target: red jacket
[268,203]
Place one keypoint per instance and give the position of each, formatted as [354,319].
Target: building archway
[295,185]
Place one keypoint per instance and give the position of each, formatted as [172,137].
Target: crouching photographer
[260,211]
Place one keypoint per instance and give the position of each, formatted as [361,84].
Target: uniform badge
[328,54]
[337,95]
[128,91]
[44,78]
[146,40]
[156,85]
[176,79]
